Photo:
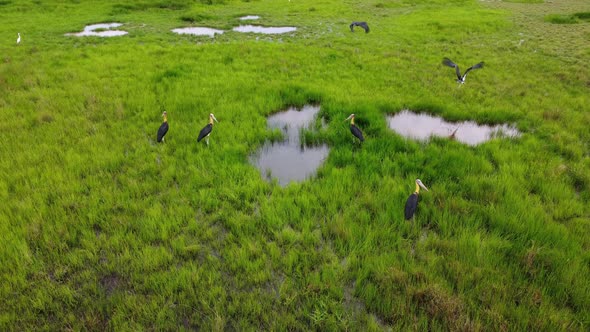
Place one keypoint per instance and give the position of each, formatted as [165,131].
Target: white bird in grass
[460,78]
[18,39]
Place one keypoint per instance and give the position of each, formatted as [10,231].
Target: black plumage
[461,78]
[163,128]
[357,132]
[412,202]
[363,25]
[411,205]
[205,131]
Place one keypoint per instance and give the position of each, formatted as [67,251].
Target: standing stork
[354,129]
[363,25]
[18,39]
[206,131]
[163,128]
[412,201]
[460,78]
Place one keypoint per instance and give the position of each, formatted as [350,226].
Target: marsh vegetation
[103,228]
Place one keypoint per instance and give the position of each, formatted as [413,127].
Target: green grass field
[104,229]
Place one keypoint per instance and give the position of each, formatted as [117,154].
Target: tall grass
[104,229]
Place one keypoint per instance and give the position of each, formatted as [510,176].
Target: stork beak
[421,185]
[349,117]
[213,116]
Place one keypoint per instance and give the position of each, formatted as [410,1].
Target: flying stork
[460,78]
[359,24]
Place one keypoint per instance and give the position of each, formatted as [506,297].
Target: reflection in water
[198,31]
[422,126]
[265,30]
[249,17]
[288,160]
[90,30]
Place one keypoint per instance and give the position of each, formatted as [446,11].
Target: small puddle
[249,17]
[421,126]
[288,160]
[90,30]
[198,31]
[264,30]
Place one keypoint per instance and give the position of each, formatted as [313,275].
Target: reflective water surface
[264,30]
[287,160]
[421,126]
[198,31]
[90,30]
[249,17]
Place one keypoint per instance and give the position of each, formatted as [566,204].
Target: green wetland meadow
[104,229]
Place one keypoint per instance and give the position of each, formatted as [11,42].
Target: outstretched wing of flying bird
[476,66]
[365,26]
[448,62]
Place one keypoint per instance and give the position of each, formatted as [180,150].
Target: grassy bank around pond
[104,229]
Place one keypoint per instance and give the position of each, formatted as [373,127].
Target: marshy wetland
[290,159]
[105,229]
[421,126]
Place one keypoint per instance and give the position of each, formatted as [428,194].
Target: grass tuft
[561,19]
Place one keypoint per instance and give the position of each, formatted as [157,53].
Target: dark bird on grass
[354,129]
[363,25]
[206,131]
[412,201]
[163,128]
[460,78]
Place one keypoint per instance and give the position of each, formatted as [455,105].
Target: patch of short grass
[561,19]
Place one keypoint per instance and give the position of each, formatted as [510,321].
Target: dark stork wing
[476,66]
[205,131]
[365,26]
[352,26]
[357,132]
[411,205]
[448,62]
[162,131]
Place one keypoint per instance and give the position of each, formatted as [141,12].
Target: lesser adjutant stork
[206,131]
[363,25]
[412,201]
[461,78]
[163,128]
[354,129]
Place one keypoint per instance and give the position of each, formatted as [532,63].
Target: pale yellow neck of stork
[417,189]
[165,118]
[210,120]
[352,120]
